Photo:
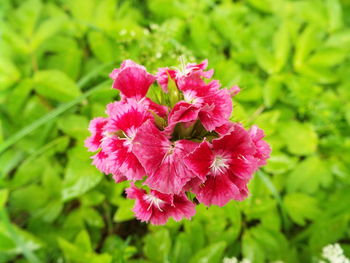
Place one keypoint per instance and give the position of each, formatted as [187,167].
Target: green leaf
[3,197]
[157,246]
[210,254]
[301,139]
[301,207]
[272,90]
[328,57]
[82,240]
[182,249]
[311,170]
[306,43]
[55,85]
[46,30]
[124,212]
[26,16]
[101,46]
[251,249]
[80,175]
[74,125]
[282,46]
[9,73]
[280,163]
[335,16]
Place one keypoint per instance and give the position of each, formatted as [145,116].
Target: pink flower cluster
[183,144]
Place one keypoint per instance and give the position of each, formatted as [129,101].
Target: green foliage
[291,60]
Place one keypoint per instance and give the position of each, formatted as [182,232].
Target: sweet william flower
[163,159]
[225,166]
[184,144]
[157,208]
[132,80]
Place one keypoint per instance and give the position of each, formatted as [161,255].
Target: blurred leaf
[46,30]
[9,73]
[157,246]
[272,90]
[282,46]
[210,254]
[80,175]
[3,197]
[26,16]
[313,171]
[55,85]
[301,139]
[301,207]
[124,212]
[74,125]
[101,46]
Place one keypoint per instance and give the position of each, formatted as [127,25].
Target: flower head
[185,144]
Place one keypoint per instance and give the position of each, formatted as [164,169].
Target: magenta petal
[154,207]
[162,77]
[200,160]
[219,190]
[237,142]
[263,150]
[132,80]
[96,128]
[126,117]
[172,173]
[182,112]
[162,160]
[100,160]
[219,109]
[182,207]
[121,159]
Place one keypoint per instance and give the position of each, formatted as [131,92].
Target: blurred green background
[291,59]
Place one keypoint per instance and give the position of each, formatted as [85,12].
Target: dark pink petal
[218,110]
[234,91]
[132,80]
[162,77]
[162,159]
[126,117]
[200,160]
[100,160]
[150,146]
[243,166]
[121,159]
[154,207]
[263,150]
[220,189]
[225,128]
[160,110]
[96,128]
[172,173]
[237,142]
[182,112]
[182,207]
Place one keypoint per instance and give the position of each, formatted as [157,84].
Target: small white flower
[230,260]
[334,254]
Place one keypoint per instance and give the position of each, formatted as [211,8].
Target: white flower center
[219,164]
[153,201]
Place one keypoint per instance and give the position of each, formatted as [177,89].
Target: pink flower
[234,91]
[212,106]
[157,207]
[158,145]
[123,123]
[263,150]
[162,77]
[132,80]
[96,128]
[226,166]
[162,159]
